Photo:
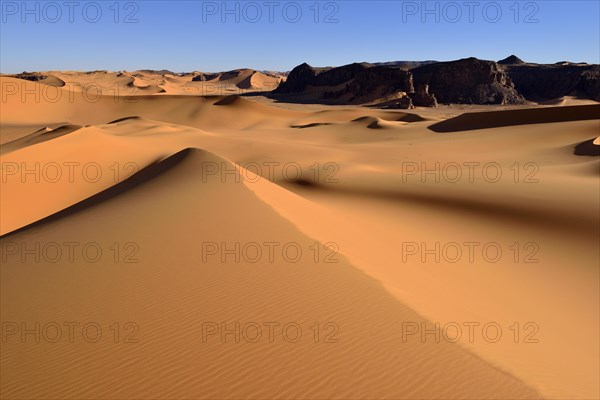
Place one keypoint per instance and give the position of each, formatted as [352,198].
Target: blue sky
[278,35]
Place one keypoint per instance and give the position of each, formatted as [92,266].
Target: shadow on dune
[302,98]
[311,125]
[228,100]
[144,175]
[528,215]
[294,98]
[130,118]
[587,148]
[39,136]
[409,117]
[497,119]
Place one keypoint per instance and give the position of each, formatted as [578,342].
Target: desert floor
[171,245]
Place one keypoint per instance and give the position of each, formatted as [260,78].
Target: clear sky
[278,35]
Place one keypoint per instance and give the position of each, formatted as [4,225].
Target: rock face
[422,98]
[202,77]
[407,65]
[468,81]
[589,84]
[403,103]
[299,79]
[539,82]
[49,80]
[351,84]
[33,77]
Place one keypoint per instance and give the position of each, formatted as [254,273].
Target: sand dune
[378,123]
[139,172]
[259,81]
[353,367]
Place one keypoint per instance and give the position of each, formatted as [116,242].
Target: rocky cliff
[511,60]
[540,82]
[350,84]
[468,81]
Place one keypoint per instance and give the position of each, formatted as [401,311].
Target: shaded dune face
[186,180]
[495,119]
[588,148]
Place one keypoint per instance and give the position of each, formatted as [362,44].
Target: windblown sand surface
[346,181]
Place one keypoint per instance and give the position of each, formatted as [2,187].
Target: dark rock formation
[49,80]
[299,79]
[540,82]
[422,98]
[408,65]
[589,84]
[468,81]
[33,77]
[204,77]
[157,71]
[358,83]
[511,60]
[351,84]
[403,103]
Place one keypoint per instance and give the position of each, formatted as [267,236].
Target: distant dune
[146,82]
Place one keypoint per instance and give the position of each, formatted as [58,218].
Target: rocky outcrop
[157,72]
[589,84]
[468,81]
[299,79]
[403,103]
[408,65]
[350,84]
[540,82]
[465,81]
[511,60]
[202,77]
[49,80]
[422,98]
[33,77]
